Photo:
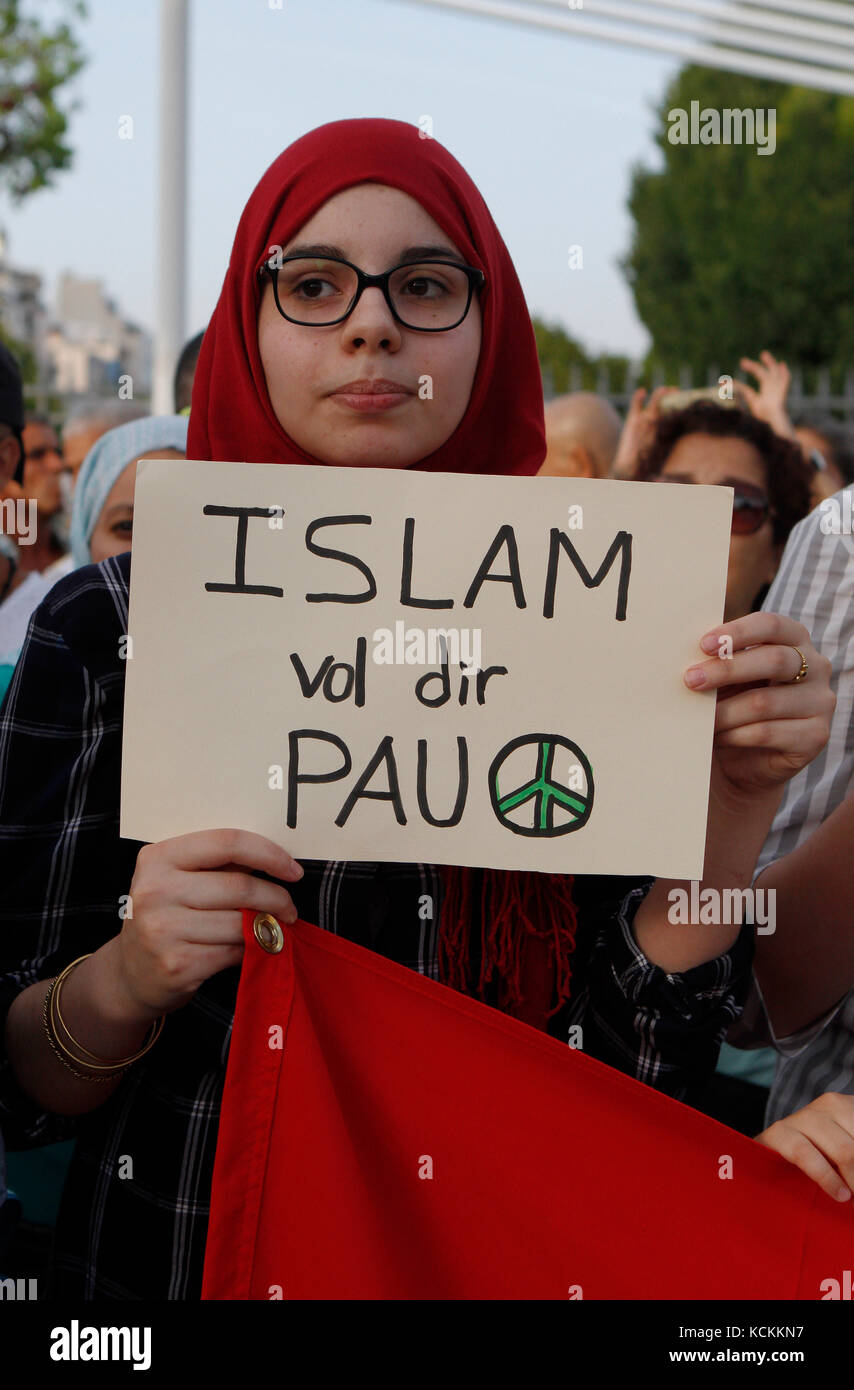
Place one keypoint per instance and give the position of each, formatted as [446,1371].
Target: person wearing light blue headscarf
[100,470]
[104,464]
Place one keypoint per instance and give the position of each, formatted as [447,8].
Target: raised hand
[641,420]
[768,402]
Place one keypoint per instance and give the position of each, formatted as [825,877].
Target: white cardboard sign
[378,664]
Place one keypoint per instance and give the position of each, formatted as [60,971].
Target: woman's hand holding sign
[188,893]
[771,720]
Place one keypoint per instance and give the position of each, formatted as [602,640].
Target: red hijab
[528,920]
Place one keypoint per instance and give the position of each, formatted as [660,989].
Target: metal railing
[819,392]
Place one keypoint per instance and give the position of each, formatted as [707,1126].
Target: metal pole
[728,60]
[171,204]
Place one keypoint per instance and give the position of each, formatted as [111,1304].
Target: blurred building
[84,347]
[91,346]
[22,313]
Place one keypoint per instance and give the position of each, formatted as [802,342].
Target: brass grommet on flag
[268,933]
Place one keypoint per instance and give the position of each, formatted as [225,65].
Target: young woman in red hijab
[320,362]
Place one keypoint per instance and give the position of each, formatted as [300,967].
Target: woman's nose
[372,320]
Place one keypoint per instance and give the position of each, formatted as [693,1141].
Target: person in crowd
[102,525]
[829,446]
[102,516]
[184,374]
[42,482]
[642,416]
[84,428]
[101,519]
[582,432]
[296,348]
[707,443]
[767,400]
[803,998]
[10,575]
[48,476]
[11,469]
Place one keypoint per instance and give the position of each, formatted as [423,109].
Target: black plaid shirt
[63,871]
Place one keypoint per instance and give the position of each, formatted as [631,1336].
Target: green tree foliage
[36,60]
[559,354]
[735,251]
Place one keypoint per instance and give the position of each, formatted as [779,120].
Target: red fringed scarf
[528,923]
[528,919]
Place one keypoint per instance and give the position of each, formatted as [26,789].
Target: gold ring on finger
[803,670]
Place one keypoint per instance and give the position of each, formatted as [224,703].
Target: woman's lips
[363,402]
[365,396]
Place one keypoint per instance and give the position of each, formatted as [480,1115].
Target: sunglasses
[750,508]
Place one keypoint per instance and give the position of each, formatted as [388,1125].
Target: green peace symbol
[546,792]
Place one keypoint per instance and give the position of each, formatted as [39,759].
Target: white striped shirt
[815,585]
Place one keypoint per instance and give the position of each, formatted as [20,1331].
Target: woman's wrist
[781,424]
[672,943]
[124,1002]
[98,1008]
[736,829]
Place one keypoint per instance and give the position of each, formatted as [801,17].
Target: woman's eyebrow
[743,484]
[749,488]
[316,248]
[420,253]
[411,253]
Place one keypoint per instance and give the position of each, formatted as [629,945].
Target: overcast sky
[547,126]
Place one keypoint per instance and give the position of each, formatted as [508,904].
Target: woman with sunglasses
[709,443]
[370,315]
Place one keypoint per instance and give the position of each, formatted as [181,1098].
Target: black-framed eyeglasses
[430,296]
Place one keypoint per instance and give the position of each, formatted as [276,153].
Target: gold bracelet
[54,1009]
[82,1075]
[108,1068]
[52,1014]
[99,1063]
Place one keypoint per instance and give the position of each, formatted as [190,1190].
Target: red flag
[384,1137]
